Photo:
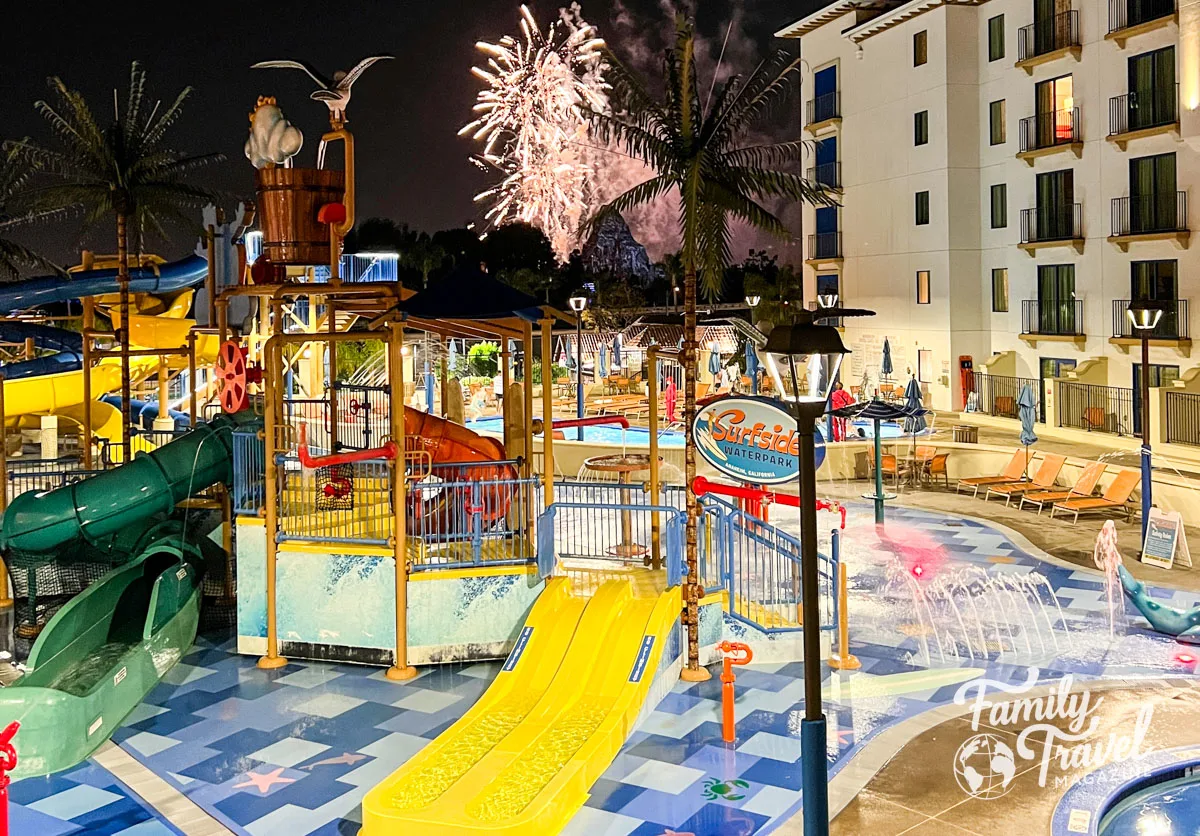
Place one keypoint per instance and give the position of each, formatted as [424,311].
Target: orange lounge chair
[1115,498]
[1084,486]
[1044,479]
[1012,472]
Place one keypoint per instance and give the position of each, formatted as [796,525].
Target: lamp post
[752,303]
[1144,315]
[578,304]
[790,348]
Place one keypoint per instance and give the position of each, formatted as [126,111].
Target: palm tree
[121,170]
[14,257]
[695,151]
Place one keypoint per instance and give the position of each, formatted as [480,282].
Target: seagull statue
[335,93]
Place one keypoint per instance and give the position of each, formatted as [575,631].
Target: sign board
[1165,540]
[751,439]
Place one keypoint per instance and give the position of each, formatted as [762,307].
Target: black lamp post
[578,304]
[1144,315]
[804,360]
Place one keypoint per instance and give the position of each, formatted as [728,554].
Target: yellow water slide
[522,759]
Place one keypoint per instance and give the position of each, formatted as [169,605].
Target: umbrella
[617,360]
[670,397]
[912,403]
[885,367]
[453,357]
[752,366]
[714,362]
[603,366]
[878,411]
[1027,410]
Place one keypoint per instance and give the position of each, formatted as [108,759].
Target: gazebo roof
[471,303]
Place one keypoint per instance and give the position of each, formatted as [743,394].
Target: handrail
[592,421]
[702,486]
[387,451]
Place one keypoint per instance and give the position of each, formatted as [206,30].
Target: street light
[578,304]
[1144,315]
[804,360]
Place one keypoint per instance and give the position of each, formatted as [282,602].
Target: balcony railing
[1055,127]
[1183,418]
[1146,214]
[826,174]
[1172,326]
[1048,35]
[1123,14]
[1140,110]
[825,245]
[1052,318]
[1052,223]
[824,107]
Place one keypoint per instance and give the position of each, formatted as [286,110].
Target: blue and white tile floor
[293,751]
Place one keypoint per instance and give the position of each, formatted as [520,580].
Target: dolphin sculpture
[1184,625]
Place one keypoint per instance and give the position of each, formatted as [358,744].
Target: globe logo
[984,766]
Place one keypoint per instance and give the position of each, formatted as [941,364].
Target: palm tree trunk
[692,589]
[123,284]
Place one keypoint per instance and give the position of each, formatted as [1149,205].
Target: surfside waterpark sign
[751,439]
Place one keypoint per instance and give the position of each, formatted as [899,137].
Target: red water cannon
[733,653]
[234,374]
[8,762]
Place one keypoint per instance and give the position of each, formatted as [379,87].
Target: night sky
[404,113]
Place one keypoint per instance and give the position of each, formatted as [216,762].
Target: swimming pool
[640,436]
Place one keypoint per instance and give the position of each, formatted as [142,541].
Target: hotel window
[922,287]
[996,122]
[999,290]
[922,208]
[996,38]
[921,128]
[920,48]
[1000,206]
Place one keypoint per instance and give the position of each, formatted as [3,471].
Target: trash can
[965,434]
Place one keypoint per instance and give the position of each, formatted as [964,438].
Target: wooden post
[504,356]
[400,670]
[193,383]
[527,393]
[655,475]
[210,279]
[30,348]
[547,411]
[445,375]
[223,319]
[271,395]
[89,323]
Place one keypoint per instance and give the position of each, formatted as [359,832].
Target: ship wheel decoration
[233,377]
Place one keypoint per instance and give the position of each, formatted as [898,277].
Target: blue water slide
[68,344]
[46,290]
[143,413]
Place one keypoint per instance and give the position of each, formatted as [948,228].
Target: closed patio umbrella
[885,366]
[912,404]
[617,360]
[1027,410]
[603,367]
[714,362]
[752,366]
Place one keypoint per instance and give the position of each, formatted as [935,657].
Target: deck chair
[1013,471]
[1116,498]
[1085,485]
[1043,480]
[936,467]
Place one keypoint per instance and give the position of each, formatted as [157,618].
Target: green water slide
[100,654]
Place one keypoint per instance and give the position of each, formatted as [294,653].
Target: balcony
[1052,321]
[1141,114]
[1127,18]
[824,247]
[1172,331]
[828,175]
[1150,217]
[1048,40]
[823,112]
[1049,133]
[1052,226]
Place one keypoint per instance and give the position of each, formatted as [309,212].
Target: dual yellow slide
[522,759]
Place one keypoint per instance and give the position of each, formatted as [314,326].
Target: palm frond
[642,193]
[772,155]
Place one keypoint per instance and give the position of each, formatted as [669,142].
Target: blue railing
[249,479]
[26,475]
[599,535]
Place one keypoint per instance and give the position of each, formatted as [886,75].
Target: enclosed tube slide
[45,290]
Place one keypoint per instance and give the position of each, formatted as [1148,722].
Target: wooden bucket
[288,202]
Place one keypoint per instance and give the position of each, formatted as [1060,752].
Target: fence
[26,475]
[1061,222]
[364,415]
[1052,33]
[1149,213]
[1125,13]
[345,503]
[826,174]
[823,108]
[998,394]
[1174,324]
[1054,318]
[825,245]
[1107,409]
[249,479]
[1045,130]
[363,267]
[1183,418]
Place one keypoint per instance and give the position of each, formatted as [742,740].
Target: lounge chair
[1044,479]
[1116,498]
[1013,471]
[1084,486]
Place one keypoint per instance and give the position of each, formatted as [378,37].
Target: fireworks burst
[530,117]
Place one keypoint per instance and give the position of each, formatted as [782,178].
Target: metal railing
[824,107]
[26,475]
[1174,324]
[998,394]
[1046,130]
[825,245]
[1123,14]
[826,174]
[1047,35]
[249,473]
[1183,418]
[146,440]
[1106,409]
[1139,110]
[345,503]
[1052,223]
[363,267]
[1146,214]
[471,514]
[364,416]
[1053,319]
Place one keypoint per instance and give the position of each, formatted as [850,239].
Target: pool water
[1169,809]
[640,436]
